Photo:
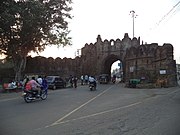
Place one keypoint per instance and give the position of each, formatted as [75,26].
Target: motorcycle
[114,80]
[30,95]
[92,86]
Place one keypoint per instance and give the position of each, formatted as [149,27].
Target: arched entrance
[107,64]
[117,71]
[97,59]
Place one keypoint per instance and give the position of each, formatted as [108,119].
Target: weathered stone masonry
[138,60]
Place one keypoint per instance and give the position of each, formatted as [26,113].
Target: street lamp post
[132,12]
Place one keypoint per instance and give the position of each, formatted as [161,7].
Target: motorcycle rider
[34,85]
[114,78]
[39,80]
[44,84]
[92,80]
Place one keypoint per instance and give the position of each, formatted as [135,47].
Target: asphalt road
[111,110]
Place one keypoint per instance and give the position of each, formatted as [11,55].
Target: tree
[31,25]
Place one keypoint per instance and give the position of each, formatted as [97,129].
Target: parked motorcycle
[30,95]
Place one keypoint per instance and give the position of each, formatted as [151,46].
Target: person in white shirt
[82,79]
[86,79]
[39,80]
[92,80]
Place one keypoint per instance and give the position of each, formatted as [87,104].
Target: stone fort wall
[144,61]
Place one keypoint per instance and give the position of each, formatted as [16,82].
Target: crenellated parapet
[97,52]
[145,61]
[101,47]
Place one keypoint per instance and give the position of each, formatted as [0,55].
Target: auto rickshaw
[134,82]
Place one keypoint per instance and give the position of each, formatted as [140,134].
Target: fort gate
[149,62]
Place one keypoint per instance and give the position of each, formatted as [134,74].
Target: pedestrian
[75,81]
[82,79]
[86,79]
[71,81]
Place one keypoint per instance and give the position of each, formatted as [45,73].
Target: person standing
[71,81]
[82,79]
[75,81]
[86,79]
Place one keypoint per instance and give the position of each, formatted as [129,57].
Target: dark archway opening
[117,70]
[108,66]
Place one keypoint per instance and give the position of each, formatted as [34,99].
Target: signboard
[132,69]
[162,72]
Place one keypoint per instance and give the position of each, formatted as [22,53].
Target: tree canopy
[31,25]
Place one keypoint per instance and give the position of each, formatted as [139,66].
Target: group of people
[35,84]
[41,82]
[88,79]
[84,80]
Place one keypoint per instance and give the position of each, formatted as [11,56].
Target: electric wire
[169,14]
[171,11]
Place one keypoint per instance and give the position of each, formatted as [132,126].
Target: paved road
[111,110]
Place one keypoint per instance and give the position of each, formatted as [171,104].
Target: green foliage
[30,25]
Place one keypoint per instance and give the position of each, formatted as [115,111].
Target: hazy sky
[157,21]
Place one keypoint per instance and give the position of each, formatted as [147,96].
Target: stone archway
[107,63]
[99,57]
[142,61]
[134,56]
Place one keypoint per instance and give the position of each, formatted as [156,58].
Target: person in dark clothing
[71,80]
[74,79]
[44,84]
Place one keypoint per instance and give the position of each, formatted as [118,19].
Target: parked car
[55,82]
[104,78]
